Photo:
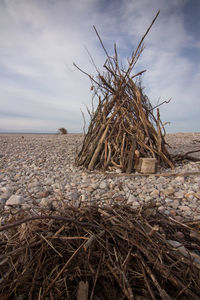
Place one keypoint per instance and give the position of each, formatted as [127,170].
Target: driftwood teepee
[123,126]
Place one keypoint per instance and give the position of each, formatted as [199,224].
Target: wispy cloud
[40,40]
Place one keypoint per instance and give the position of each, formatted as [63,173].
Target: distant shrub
[62,130]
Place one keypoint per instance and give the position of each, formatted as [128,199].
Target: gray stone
[73,195]
[196,187]
[175,204]
[189,194]
[94,186]
[168,200]
[172,212]
[184,208]
[15,200]
[6,192]
[119,198]
[197,179]
[26,206]
[17,176]
[89,188]
[168,191]
[161,208]
[190,198]
[179,235]
[45,202]
[97,197]
[178,218]
[35,190]
[131,199]
[179,194]
[2,202]
[138,191]
[102,185]
[33,184]
[147,198]
[6,196]
[180,179]
[57,204]
[197,195]
[192,206]
[179,246]
[175,244]
[43,194]
[155,193]
[3,183]
[135,204]
[49,181]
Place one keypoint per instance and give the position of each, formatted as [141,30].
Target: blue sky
[40,90]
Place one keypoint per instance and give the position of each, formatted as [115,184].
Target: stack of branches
[124,121]
[97,252]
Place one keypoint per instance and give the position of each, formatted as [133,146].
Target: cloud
[40,40]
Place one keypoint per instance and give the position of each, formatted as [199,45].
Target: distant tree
[62,130]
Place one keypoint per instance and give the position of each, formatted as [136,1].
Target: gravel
[39,171]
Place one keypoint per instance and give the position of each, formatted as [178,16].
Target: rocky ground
[38,171]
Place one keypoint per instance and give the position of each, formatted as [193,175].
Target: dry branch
[125,254]
[186,155]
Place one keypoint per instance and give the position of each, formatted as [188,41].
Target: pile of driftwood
[123,127]
[97,252]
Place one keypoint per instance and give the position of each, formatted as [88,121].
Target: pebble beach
[38,171]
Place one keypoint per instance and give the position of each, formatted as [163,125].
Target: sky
[41,90]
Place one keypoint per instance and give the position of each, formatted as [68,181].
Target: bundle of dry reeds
[123,125]
[97,252]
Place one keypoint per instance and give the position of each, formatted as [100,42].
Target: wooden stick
[82,293]
[96,153]
[131,155]
[70,220]
[162,292]
[63,269]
